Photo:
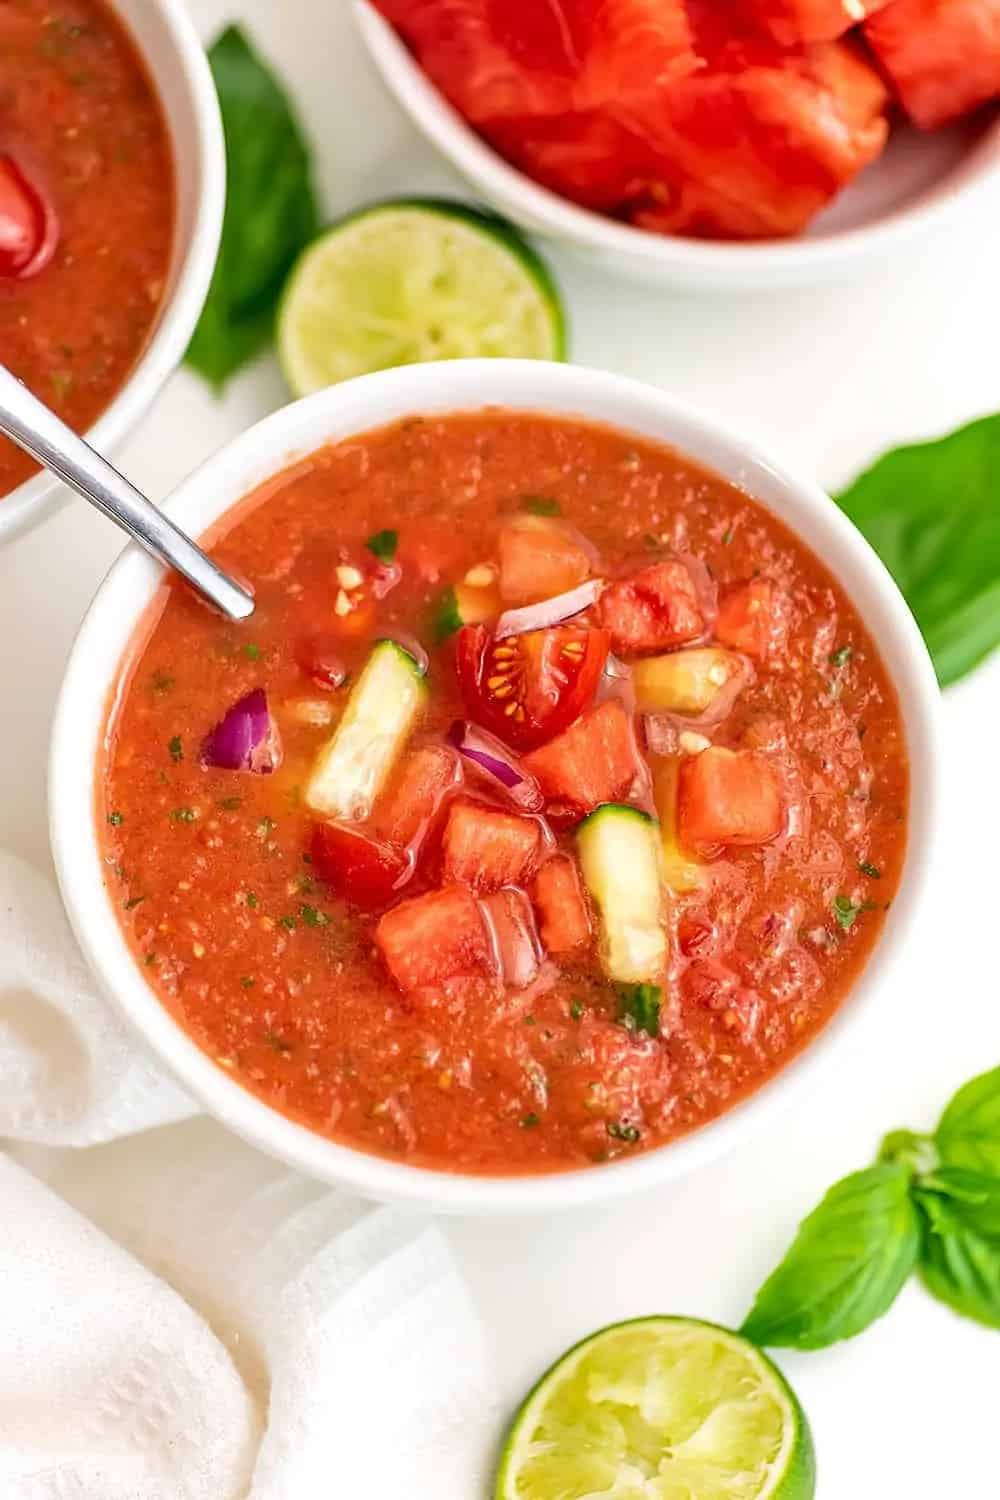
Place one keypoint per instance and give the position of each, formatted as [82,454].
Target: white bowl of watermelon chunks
[706,142]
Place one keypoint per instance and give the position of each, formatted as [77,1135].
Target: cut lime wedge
[660,1409]
[414,280]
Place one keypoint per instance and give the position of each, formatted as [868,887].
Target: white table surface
[826,378]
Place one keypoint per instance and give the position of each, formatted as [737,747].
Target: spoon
[36,429]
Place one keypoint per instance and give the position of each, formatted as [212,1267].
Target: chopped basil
[541,505]
[447,617]
[620,1132]
[528,1122]
[872,871]
[135,901]
[247,982]
[176,748]
[847,913]
[383,544]
[252,652]
[529,1020]
[116,819]
[313,917]
[183,815]
[287,921]
[639,1007]
[230,804]
[252,899]
[576,1010]
[841,656]
[727,536]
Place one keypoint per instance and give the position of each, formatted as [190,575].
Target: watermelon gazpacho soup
[86,208]
[550,802]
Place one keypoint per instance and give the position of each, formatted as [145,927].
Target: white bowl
[344,411]
[169,45]
[920,181]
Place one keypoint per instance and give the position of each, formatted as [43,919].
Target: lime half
[414,280]
[660,1409]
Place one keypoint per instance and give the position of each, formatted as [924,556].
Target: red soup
[551,801]
[86,208]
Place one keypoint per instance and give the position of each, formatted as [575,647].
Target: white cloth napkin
[180,1317]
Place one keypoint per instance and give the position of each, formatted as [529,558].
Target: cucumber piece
[619,856]
[683,682]
[352,767]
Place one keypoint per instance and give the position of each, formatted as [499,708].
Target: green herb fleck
[251,651]
[529,1020]
[621,1132]
[312,917]
[183,815]
[727,536]
[151,960]
[288,922]
[161,682]
[872,871]
[230,804]
[252,899]
[576,1010]
[541,505]
[135,901]
[383,544]
[116,819]
[528,1122]
[639,1007]
[176,748]
[247,982]
[847,913]
[841,656]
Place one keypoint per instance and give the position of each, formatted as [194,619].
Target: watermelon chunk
[594,761]
[561,905]
[485,848]
[794,21]
[409,808]
[654,609]
[539,558]
[942,56]
[728,797]
[512,922]
[436,938]
[748,616]
[761,138]
[368,872]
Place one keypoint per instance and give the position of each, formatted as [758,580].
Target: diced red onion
[245,739]
[511,923]
[550,611]
[384,578]
[487,753]
[615,668]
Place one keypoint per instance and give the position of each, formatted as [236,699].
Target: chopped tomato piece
[29,231]
[794,21]
[657,607]
[525,688]
[408,811]
[594,761]
[942,56]
[436,937]
[747,617]
[562,906]
[366,871]
[512,923]
[761,138]
[486,848]
[728,797]
[539,558]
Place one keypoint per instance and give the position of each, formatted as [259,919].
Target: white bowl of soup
[112,180]
[557,815]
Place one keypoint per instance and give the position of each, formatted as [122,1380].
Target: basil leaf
[846,1266]
[969,1132]
[959,1265]
[270,210]
[931,513]
[972,1198]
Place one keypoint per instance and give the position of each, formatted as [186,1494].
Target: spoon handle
[37,429]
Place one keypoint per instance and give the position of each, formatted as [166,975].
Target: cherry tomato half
[527,688]
[29,230]
[366,871]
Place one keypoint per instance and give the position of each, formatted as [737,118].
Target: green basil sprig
[271,211]
[932,513]
[930,1203]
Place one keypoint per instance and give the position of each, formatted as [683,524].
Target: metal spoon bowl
[35,428]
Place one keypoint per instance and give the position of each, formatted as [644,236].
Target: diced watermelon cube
[793,21]
[486,848]
[942,56]
[728,797]
[561,905]
[656,608]
[368,872]
[748,616]
[435,938]
[407,812]
[539,558]
[594,761]
[512,921]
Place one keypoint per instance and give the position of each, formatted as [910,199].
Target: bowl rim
[38,497]
[545,212]
[362,405]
